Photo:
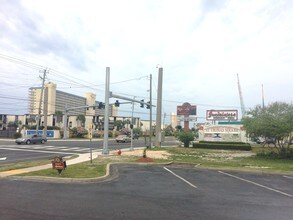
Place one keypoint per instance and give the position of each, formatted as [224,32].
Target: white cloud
[200,44]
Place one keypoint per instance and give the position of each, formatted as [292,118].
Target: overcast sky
[201,45]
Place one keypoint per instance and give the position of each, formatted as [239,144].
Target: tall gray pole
[106,114]
[41,97]
[45,112]
[159,109]
[131,144]
[151,118]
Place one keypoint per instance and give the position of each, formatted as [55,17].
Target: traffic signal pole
[106,114]
[159,110]
[151,114]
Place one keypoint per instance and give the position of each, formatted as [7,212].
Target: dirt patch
[227,155]
[145,160]
[149,154]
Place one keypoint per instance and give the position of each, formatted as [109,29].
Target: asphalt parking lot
[153,192]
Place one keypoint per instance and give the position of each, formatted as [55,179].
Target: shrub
[79,132]
[222,142]
[17,135]
[186,137]
[274,155]
[223,145]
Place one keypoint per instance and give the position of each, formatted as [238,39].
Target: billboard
[222,115]
[186,109]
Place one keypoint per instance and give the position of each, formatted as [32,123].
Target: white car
[123,139]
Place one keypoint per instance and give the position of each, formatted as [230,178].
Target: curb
[107,177]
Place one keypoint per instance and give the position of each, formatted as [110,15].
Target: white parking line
[289,177]
[180,178]
[257,184]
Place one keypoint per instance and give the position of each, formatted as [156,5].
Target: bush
[186,137]
[53,128]
[223,145]
[97,135]
[222,142]
[79,132]
[17,135]
[137,131]
[275,155]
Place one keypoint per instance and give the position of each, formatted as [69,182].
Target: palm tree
[31,120]
[81,119]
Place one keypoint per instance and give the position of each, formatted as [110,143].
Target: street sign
[222,115]
[186,109]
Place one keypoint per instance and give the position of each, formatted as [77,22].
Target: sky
[201,45]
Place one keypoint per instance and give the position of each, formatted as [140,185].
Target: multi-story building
[174,120]
[55,101]
[53,104]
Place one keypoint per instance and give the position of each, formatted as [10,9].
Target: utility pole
[241,97]
[159,109]
[41,97]
[45,111]
[131,143]
[106,114]
[151,118]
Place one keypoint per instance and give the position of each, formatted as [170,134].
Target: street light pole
[41,97]
[131,143]
[159,109]
[151,119]
[106,114]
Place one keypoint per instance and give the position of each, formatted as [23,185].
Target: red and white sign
[186,109]
[222,115]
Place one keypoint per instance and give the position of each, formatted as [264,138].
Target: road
[153,192]
[18,153]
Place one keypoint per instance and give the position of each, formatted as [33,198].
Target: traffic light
[117,104]
[141,104]
[101,105]
[148,105]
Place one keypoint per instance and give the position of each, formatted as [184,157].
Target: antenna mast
[241,97]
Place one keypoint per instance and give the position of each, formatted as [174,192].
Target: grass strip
[205,158]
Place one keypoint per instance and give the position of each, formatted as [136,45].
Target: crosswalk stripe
[44,148]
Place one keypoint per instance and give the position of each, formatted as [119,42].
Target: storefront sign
[222,115]
[221,129]
[186,109]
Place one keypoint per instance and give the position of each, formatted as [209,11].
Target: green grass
[224,159]
[82,170]
[22,165]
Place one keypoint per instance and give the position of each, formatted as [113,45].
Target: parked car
[135,136]
[269,141]
[265,141]
[259,141]
[122,138]
[31,139]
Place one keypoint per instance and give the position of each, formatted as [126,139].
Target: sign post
[186,110]
[59,164]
